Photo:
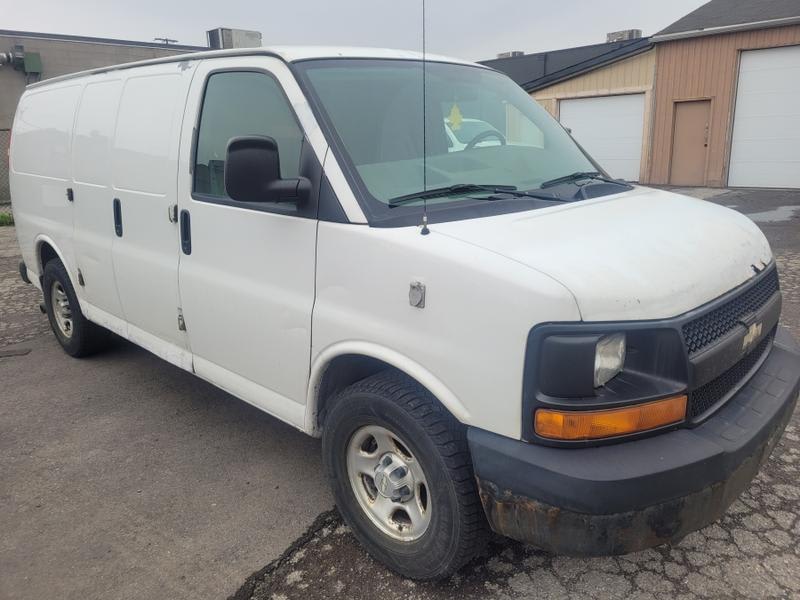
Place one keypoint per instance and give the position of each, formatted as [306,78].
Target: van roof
[287,54]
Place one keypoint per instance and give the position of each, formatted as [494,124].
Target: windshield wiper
[467,188]
[578,175]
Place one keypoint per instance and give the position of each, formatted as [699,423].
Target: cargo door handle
[186,232]
[117,217]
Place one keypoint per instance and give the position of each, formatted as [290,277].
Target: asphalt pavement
[122,476]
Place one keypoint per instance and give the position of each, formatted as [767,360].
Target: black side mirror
[253,173]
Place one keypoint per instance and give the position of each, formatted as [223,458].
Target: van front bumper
[622,498]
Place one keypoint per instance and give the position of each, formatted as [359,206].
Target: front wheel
[402,477]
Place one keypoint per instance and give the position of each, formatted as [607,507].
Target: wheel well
[341,372]
[46,254]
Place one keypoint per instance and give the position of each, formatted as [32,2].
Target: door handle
[186,232]
[117,217]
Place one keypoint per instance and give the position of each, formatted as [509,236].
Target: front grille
[705,397]
[708,328]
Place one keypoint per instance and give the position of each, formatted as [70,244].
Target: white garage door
[610,129]
[766,132]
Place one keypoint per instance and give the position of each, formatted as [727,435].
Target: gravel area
[20,318]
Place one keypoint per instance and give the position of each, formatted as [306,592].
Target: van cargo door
[146,243]
[92,193]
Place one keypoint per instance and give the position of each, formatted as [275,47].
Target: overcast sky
[471,29]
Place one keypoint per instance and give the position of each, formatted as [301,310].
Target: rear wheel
[402,477]
[76,334]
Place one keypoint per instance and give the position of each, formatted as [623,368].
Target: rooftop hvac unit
[621,36]
[224,37]
[511,54]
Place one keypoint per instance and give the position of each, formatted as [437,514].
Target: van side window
[236,104]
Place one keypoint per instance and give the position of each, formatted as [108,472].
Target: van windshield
[476,127]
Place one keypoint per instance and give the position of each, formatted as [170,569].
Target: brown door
[690,143]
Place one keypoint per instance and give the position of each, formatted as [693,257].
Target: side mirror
[253,173]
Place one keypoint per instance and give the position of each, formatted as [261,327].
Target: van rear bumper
[622,498]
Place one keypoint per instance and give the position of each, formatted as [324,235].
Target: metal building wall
[698,69]
[632,75]
[628,76]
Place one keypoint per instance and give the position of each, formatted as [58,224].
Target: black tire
[86,338]
[457,530]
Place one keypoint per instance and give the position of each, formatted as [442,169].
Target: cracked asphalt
[752,552]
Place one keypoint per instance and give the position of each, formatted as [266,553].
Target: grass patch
[6,219]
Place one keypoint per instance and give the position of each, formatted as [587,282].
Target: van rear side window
[243,103]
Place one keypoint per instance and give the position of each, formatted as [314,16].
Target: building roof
[536,71]
[94,40]
[720,16]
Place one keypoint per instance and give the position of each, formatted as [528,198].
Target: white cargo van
[489,334]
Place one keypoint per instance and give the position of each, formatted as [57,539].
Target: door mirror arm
[297,191]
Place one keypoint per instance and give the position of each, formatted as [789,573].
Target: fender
[45,239]
[88,310]
[391,357]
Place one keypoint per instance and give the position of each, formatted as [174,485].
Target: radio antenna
[424,230]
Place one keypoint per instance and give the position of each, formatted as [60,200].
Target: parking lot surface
[124,477]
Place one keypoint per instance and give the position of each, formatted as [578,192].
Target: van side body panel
[40,173]
[363,280]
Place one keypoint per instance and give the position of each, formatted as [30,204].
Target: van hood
[643,254]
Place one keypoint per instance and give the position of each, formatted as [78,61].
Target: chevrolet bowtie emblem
[753,333]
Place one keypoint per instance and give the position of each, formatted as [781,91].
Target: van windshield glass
[481,128]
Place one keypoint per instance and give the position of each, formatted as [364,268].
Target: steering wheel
[484,135]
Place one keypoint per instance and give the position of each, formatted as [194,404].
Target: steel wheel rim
[389,483]
[62,313]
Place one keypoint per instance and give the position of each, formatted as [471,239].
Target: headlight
[609,357]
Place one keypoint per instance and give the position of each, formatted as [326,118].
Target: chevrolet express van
[485,335]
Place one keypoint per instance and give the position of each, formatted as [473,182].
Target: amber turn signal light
[599,424]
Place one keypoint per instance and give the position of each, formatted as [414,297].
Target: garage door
[610,129]
[766,132]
